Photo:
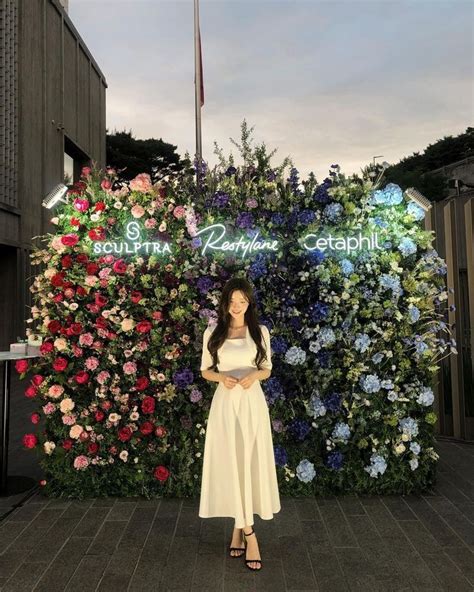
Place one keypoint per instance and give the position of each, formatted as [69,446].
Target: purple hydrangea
[307,216]
[335,460]
[318,311]
[244,220]
[183,378]
[333,402]
[281,457]
[204,284]
[279,345]
[299,429]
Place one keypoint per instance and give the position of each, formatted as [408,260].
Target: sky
[324,82]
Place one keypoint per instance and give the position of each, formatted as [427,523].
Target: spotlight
[418,198]
[57,194]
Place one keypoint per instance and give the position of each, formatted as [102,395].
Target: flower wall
[356,336]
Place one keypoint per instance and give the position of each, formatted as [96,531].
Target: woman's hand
[230,381]
[248,380]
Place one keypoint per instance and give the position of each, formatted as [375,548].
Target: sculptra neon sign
[216,240]
[132,233]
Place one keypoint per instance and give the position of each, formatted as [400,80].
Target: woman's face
[238,305]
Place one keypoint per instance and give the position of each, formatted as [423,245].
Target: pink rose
[137,211]
[55,391]
[86,171]
[81,462]
[81,205]
[106,184]
[102,377]
[129,367]
[142,183]
[86,339]
[92,363]
[179,212]
[150,223]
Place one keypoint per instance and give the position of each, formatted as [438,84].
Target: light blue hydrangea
[392,396]
[426,396]
[414,210]
[407,246]
[377,358]
[413,313]
[324,338]
[414,463]
[295,355]
[346,266]
[370,383]
[317,406]
[420,345]
[305,471]
[341,431]
[378,465]
[387,384]
[391,195]
[408,426]
[391,282]
[362,342]
[415,448]
[333,211]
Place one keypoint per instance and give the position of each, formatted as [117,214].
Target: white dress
[239,475]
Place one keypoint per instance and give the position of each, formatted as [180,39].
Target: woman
[239,475]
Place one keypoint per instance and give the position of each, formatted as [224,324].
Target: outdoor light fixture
[418,198]
[57,194]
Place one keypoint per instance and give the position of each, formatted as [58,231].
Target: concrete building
[52,122]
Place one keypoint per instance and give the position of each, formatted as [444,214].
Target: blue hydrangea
[391,195]
[196,242]
[413,313]
[204,284]
[415,448]
[378,465]
[370,383]
[347,267]
[378,221]
[332,402]
[391,282]
[326,336]
[273,390]
[318,311]
[341,431]
[281,456]
[335,460]
[408,426]
[377,358]
[317,408]
[407,246]
[316,256]
[305,471]
[420,345]
[362,342]
[321,194]
[414,210]
[295,355]
[299,429]
[279,345]
[258,268]
[277,219]
[183,378]
[426,396]
[333,211]
[307,216]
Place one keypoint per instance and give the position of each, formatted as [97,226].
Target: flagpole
[197,85]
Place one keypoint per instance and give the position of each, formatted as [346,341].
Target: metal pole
[197,85]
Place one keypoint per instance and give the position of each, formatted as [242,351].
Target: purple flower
[335,460]
[281,457]
[244,220]
[333,402]
[299,429]
[230,171]
[204,284]
[183,378]
[318,311]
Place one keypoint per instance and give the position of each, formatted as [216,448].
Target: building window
[68,170]
[74,160]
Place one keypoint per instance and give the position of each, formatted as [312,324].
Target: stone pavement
[364,543]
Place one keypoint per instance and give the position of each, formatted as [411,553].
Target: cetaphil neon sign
[216,242]
[341,243]
[133,245]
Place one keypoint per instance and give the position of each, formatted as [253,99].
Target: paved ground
[364,543]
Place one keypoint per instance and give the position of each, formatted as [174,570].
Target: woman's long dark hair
[219,335]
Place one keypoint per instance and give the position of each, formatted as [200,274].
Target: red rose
[142,383]
[86,171]
[120,266]
[100,299]
[76,328]
[106,405]
[92,268]
[93,448]
[99,206]
[148,405]
[54,326]
[35,418]
[81,205]
[161,473]
[77,351]
[81,377]
[97,234]
[106,184]
[136,296]
[70,239]
[58,298]
[81,291]
[99,415]
[58,279]
[66,261]
[125,434]
[21,366]
[161,431]
[60,364]
[37,379]
[74,222]
[30,440]
[147,428]
[101,323]
[157,315]
[93,308]
[31,391]
[68,444]
[82,258]
[143,326]
[46,347]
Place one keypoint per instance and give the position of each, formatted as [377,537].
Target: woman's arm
[211,375]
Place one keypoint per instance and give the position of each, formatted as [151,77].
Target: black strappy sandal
[237,549]
[247,561]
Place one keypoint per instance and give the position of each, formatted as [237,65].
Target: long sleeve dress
[239,475]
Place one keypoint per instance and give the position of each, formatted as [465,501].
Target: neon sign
[245,246]
[132,233]
[341,243]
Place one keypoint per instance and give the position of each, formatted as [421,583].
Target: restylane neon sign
[215,242]
[132,233]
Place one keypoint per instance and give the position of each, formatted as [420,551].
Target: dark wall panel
[83,134]
[70,83]
[95,113]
